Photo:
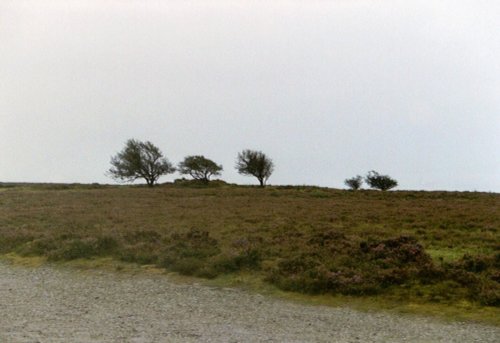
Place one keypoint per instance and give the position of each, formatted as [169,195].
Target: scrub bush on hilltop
[354,183]
[381,182]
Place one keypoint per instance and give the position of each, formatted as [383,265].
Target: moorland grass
[427,248]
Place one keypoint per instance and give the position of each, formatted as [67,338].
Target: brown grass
[264,230]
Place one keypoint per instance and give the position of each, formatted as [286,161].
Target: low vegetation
[380,182]
[420,247]
[354,183]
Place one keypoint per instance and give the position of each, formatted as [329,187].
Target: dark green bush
[354,183]
[199,183]
[382,182]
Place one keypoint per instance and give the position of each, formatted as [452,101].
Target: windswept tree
[354,183]
[140,160]
[199,168]
[255,163]
[382,182]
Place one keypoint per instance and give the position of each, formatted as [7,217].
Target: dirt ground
[55,304]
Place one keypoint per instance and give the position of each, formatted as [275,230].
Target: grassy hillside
[420,247]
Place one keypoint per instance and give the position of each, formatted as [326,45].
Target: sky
[327,89]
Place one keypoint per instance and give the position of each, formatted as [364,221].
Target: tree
[140,160]
[199,167]
[354,183]
[382,182]
[255,163]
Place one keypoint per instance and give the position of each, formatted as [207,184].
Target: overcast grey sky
[328,89]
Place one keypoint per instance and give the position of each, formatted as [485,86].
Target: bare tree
[255,163]
[139,160]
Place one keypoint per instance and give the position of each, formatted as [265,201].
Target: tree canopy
[199,167]
[255,163]
[139,160]
[354,183]
[382,182]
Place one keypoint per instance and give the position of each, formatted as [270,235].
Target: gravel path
[49,304]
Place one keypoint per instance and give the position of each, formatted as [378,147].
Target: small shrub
[399,251]
[476,264]
[106,245]
[187,266]
[307,274]
[248,259]
[381,182]
[354,183]
[83,248]
[74,249]
[141,253]
[182,182]
[335,265]
[297,265]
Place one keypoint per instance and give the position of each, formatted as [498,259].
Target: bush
[193,183]
[69,247]
[479,274]
[307,274]
[141,253]
[74,249]
[335,265]
[382,182]
[249,259]
[84,248]
[396,252]
[354,183]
